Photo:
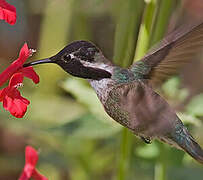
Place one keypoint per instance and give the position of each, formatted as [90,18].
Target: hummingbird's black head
[80,59]
[82,50]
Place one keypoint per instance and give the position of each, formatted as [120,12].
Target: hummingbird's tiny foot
[146,140]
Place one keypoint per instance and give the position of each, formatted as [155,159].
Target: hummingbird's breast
[102,88]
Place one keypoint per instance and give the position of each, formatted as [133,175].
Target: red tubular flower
[31,158]
[17,66]
[7,12]
[10,96]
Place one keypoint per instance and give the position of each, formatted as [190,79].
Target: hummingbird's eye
[67,57]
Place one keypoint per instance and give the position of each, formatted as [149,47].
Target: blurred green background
[65,121]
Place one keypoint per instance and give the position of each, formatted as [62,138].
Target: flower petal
[24,176]
[8,72]
[3,93]
[37,176]
[29,72]
[15,80]
[15,106]
[27,172]
[16,65]
[7,12]
[15,103]
[24,54]
[31,156]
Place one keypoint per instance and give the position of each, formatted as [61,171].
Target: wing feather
[174,51]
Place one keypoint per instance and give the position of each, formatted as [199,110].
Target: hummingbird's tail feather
[186,142]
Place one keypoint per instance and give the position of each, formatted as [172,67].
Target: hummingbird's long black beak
[41,61]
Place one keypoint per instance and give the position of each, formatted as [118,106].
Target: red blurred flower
[31,158]
[10,96]
[7,12]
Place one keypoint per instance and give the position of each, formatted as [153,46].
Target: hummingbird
[128,94]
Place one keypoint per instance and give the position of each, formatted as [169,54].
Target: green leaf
[172,89]
[150,151]
[189,119]
[86,96]
[87,126]
[195,107]
[49,111]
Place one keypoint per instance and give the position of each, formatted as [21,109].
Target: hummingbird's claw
[146,140]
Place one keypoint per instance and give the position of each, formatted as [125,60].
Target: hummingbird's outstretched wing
[174,51]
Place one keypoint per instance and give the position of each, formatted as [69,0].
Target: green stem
[81,27]
[126,31]
[160,167]
[145,29]
[124,158]
[160,171]
[165,9]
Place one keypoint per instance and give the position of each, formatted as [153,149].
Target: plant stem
[81,27]
[160,167]
[160,171]
[163,16]
[145,29]
[124,158]
[126,31]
